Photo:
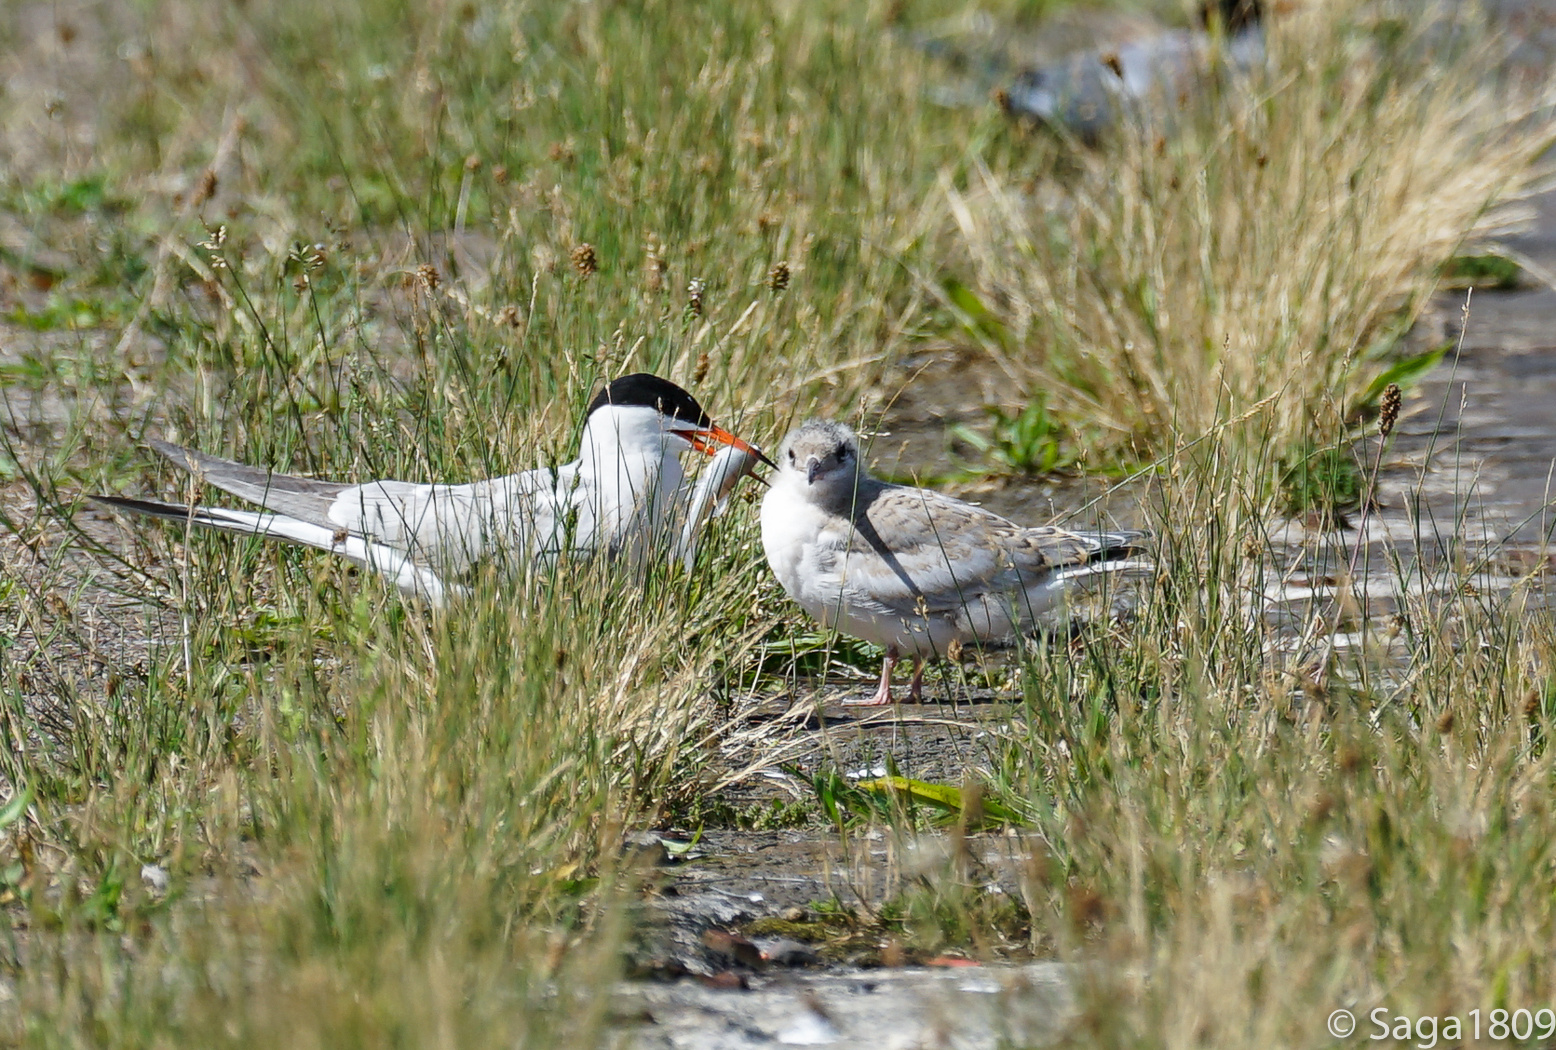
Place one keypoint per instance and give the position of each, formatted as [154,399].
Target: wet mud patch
[902,1008]
[757,936]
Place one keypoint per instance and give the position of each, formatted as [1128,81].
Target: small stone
[732,945]
[726,980]
[155,877]
[784,951]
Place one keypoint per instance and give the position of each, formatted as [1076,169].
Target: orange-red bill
[707,441]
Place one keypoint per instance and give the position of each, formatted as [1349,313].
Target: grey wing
[921,550]
[302,498]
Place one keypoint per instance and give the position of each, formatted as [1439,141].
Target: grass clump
[1248,816]
[424,841]
[1325,482]
[1270,242]
[371,240]
[1482,271]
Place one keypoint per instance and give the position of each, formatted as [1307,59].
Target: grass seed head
[206,188]
[657,268]
[585,261]
[778,276]
[694,296]
[1389,414]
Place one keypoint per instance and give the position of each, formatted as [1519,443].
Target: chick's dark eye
[842,452]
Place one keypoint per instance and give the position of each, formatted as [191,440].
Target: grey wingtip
[178,454]
[141,506]
[168,448]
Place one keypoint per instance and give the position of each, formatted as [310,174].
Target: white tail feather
[394,565]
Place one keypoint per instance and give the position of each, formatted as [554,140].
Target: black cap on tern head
[650,391]
[1235,15]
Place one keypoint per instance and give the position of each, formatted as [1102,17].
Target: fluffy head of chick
[821,456]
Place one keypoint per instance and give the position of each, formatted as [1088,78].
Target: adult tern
[625,495]
[912,569]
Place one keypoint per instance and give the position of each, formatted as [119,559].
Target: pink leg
[916,687]
[883,694]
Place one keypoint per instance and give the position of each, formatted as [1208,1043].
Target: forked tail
[396,565]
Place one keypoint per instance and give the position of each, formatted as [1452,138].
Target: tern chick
[912,569]
[625,494]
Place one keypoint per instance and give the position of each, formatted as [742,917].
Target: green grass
[1272,825]
[342,239]
[384,827]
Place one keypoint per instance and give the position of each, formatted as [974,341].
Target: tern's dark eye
[841,453]
[791,455]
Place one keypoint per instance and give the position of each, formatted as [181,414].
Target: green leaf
[15,808]
[1407,372]
[941,796]
[967,435]
[675,848]
[978,319]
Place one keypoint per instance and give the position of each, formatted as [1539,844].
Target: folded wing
[920,552]
[450,528]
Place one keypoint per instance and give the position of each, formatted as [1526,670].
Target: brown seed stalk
[206,188]
[1389,413]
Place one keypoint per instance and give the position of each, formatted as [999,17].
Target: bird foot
[883,692]
[881,698]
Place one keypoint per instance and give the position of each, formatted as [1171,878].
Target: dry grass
[1273,242]
[1248,826]
[349,240]
[421,860]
